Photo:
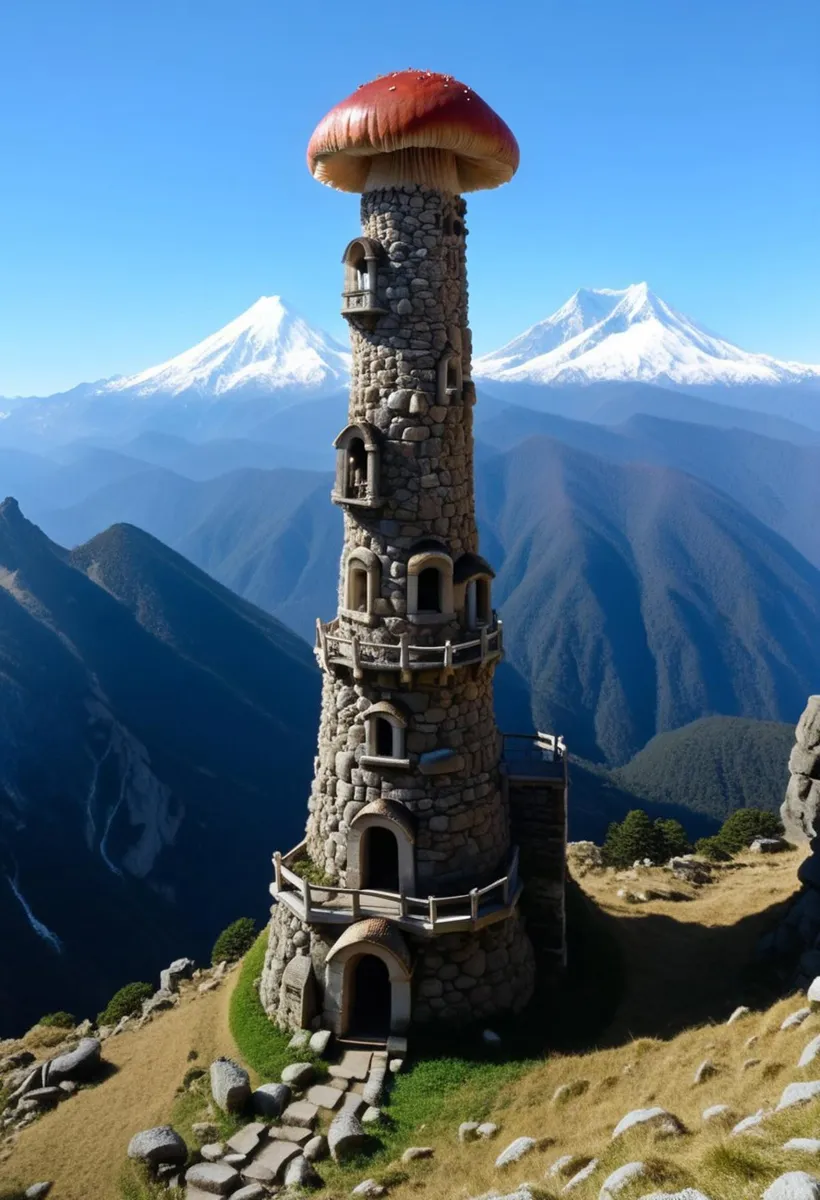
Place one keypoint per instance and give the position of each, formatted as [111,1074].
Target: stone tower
[402,903]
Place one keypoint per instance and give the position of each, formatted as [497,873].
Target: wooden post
[356,905]
[277,869]
[306,898]
[402,904]
[448,659]
[432,910]
[321,641]
[357,664]
[474,906]
[404,657]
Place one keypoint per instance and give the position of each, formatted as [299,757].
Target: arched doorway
[429,590]
[380,859]
[370,998]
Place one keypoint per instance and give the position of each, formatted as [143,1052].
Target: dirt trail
[64,1145]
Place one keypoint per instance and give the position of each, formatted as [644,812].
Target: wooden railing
[320,903]
[363,655]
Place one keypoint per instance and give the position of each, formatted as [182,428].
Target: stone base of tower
[316,977]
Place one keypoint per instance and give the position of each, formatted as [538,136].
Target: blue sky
[154,182]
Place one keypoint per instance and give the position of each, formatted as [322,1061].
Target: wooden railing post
[306,898]
[354,650]
[277,869]
[432,910]
[356,905]
[448,658]
[404,657]
[402,904]
[321,637]
[474,906]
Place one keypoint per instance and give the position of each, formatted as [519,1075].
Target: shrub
[633,838]
[124,1003]
[711,848]
[739,831]
[234,941]
[674,841]
[58,1020]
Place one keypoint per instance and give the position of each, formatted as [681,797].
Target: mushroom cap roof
[408,109]
[375,931]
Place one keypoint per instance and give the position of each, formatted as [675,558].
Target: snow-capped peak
[267,348]
[629,334]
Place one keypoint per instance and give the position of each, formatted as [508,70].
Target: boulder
[706,1070]
[215,1179]
[346,1135]
[579,1179]
[687,1194]
[716,1112]
[212,1151]
[299,1173]
[414,1152]
[79,1064]
[468,1131]
[750,1124]
[320,1041]
[301,1113]
[807,733]
[515,1151]
[162,1144]
[299,1074]
[299,1040]
[813,992]
[620,1179]
[487,1130]
[664,1124]
[171,977]
[810,1052]
[805,1145]
[799,1093]
[316,1149]
[740,1012]
[159,1002]
[371,1116]
[251,1191]
[768,845]
[37,1191]
[230,1085]
[567,1165]
[270,1099]
[795,1185]
[795,1020]
[369,1188]
[247,1139]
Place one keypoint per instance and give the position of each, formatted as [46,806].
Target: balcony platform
[360,654]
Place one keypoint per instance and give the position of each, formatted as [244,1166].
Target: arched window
[472,577]
[381,848]
[385,736]
[429,584]
[357,466]
[361,260]
[449,377]
[362,584]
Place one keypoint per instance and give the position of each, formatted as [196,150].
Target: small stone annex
[402,904]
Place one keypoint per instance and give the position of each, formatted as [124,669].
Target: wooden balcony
[362,302]
[425,917]
[362,655]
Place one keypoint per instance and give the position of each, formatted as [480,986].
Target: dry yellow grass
[82,1144]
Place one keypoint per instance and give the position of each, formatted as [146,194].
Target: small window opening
[429,594]
[458,228]
[358,589]
[482,590]
[452,373]
[356,469]
[384,738]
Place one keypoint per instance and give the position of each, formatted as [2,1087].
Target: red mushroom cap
[413,110]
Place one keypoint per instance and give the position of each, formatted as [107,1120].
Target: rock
[810,1052]
[172,976]
[38,1190]
[78,1064]
[568,1164]
[581,1177]
[269,1164]
[813,993]
[487,1129]
[806,1145]
[369,1188]
[750,1124]
[663,1123]
[68,1087]
[489,1038]
[768,845]
[324,1097]
[690,871]
[346,1135]
[212,1151]
[395,1065]
[621,1178]
[740,1012]
[414,1152]
[299,1040]
[299,1173]
[162,1144]
[687,1194]
[468,1131]
[515,1151]
[799,1093]
[795,1185]
[230,1085]
[371,1116]
[291,1133]
[260,1172]
[236,1160]
[47,1097]
[320,1041]
[796,1019]
[316,1149]
[246,1139]
[159,1002]
[301,1113]
[270,1099]
[706,1070]
[299,1074]
[253,1191]
[204,1131]
[716,1112]
[215,1179]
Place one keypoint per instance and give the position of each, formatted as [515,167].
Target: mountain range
[157,732]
